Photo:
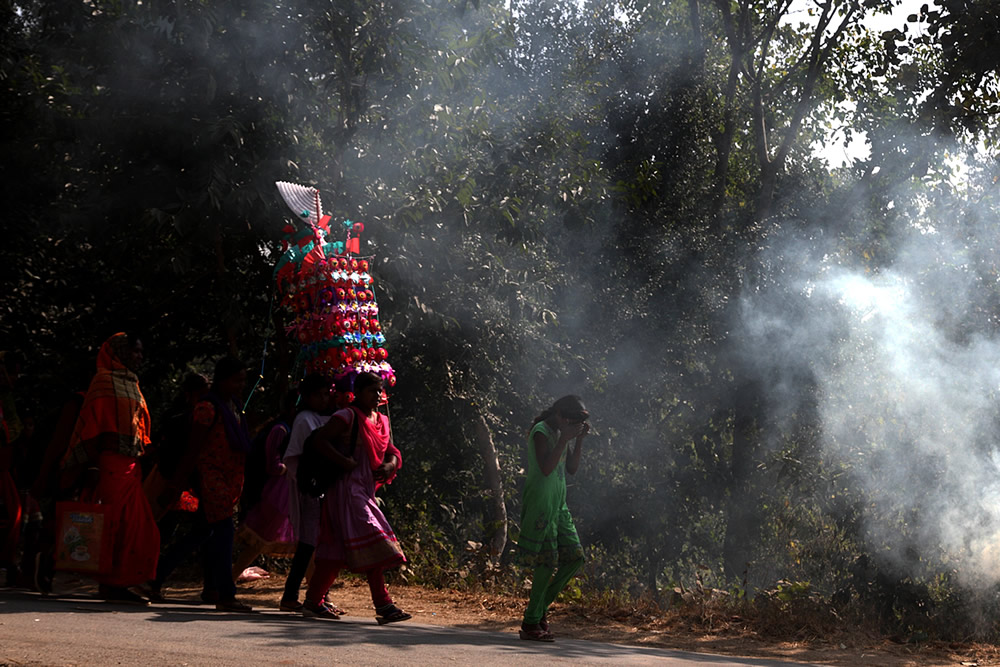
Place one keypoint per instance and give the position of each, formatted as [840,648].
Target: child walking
[354,533]
[548,542]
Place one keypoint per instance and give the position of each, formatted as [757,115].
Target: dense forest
[790,363]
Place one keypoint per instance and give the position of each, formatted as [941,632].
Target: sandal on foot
[153,593]
[391,614]
[321,610]
[536,635]
[334,608]
[290,605]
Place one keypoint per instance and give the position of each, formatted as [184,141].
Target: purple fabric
[237,432]
[353,531]
[269,518]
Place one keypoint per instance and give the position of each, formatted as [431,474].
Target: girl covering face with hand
[548,542]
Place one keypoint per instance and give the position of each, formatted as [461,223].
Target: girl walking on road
[354,534]
[303,510]
[548,542]
[267,527]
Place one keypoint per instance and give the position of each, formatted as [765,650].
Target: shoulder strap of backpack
[355,425]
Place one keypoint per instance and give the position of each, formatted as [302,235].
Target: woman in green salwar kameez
[548,542]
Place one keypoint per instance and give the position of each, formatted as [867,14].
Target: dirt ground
[497,613]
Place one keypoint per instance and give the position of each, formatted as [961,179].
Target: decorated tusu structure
[328,287]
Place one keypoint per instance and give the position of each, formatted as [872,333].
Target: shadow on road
[284,630]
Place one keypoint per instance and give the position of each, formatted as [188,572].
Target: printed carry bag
[84,534]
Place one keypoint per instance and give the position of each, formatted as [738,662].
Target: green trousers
[546,584]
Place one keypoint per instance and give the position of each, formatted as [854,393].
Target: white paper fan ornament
[303,200]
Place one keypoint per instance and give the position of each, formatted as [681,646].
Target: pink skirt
[269,518]
[353,532]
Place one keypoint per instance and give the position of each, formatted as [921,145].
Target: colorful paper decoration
[329,293]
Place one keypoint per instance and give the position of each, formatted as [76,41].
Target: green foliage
[429,549]
[561,197]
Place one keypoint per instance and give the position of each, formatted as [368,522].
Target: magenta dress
[269,518]
[354,533]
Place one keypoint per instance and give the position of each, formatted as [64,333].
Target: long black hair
[227,367]
[312,383]
[191,382]
[567,406]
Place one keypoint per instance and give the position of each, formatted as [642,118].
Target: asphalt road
[46,631]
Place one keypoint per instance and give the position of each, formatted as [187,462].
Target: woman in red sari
[111,434]
[354,534]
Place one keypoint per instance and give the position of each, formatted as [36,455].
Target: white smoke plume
[903,359]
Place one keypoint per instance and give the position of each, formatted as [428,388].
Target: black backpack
[316,473]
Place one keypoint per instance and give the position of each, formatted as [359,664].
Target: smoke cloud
[903,361]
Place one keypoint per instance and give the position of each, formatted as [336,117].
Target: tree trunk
[652,575]
[742,510]
[494,482]
[723,139]
[768,183]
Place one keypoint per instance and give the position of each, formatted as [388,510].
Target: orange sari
[114,405]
